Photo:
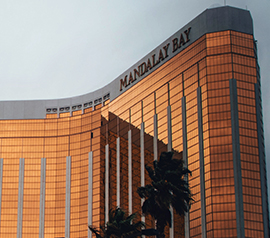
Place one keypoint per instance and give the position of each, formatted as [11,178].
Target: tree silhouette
[122,226]
[168,188]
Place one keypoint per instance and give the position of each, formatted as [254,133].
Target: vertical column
[130,171]
[107,183]
[90,191]
[237,160]
[118,172]
[184,130]
[67,207]
[142,162]
[169,123]
[155,142]
[1,180]
[20,198]
[201,158]
[169,148]
[42,197]
[263,176]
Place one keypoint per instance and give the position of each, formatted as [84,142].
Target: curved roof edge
[211,20]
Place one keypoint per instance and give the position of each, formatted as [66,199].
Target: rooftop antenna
[224,2]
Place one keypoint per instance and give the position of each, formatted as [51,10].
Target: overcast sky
[62,48]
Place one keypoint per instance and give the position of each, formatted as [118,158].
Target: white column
[155,142]
[67,208]
[130,171]
[169,129]
[142,163]
[201,158]
[42,197]
[184,131]
[106,183]
[118,172]
[169,148]
[90,191]
[20,198]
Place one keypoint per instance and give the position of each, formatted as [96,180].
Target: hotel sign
[155,59]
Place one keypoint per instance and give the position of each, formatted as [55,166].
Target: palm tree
[121,226]
[168,188]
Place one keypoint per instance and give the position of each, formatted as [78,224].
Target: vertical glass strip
[67,205]
[155,142]
[237,160]
[42,197]
[263,176]
[142,162]
[130,171]
[172,226]
[169,121]
[107,183]
[184,130]
[201,154]
[20,198]
[169,148]
[142,109]
[90,191]
[118,172]
[169,102]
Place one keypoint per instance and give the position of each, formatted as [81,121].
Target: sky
[62,48]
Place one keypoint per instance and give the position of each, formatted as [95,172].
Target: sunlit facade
[64,163]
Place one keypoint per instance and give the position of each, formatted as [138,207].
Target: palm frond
[95,231]
[169,187]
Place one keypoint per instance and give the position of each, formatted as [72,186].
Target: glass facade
[202,104]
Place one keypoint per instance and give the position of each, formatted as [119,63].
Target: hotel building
[64,163]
